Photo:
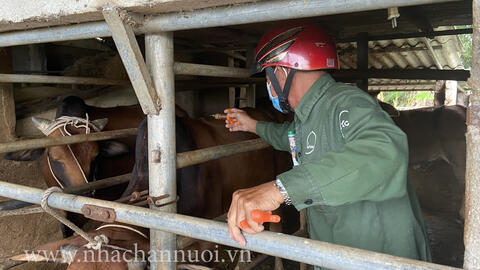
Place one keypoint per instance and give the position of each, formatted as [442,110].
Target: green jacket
[352,177]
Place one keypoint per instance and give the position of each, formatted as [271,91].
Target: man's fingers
[237,235]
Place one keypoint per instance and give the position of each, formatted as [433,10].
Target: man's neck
[301,83]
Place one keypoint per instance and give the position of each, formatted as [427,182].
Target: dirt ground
[19,233]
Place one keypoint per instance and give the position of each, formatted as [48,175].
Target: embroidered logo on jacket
[343,123]
[311,141]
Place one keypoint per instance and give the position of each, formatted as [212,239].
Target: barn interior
[422,49]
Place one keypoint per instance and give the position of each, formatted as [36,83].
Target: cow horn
[100,123]
[136,265]
[68,253]
[42,124]
[29,257]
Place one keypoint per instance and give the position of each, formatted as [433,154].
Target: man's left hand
[265,197]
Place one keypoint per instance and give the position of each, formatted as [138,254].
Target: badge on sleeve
[342,119]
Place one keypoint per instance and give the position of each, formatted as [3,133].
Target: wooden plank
[7,102]
[124,37]
[23,78]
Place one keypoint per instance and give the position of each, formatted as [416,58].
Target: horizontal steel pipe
[24,78]
[99,184]
[274,244]
[209,70]
[261,11]
[47,141]
[206,154]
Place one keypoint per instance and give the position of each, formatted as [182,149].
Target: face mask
[275,101]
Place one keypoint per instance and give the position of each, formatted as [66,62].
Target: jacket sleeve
[275,134]
[371,165]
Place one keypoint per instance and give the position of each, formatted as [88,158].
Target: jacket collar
[314,93]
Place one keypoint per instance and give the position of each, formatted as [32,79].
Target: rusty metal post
[472,175]
[161,143]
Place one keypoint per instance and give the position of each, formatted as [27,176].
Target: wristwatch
[283,191]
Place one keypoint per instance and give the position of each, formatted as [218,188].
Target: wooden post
[362,59]
[7,102]
[231,90]
[472,176]
[252,88]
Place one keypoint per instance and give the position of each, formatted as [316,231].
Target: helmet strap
[281,93]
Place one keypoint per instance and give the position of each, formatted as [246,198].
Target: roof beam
[411,35]
[411,74]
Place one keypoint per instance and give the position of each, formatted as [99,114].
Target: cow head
[126,250]
[69,165]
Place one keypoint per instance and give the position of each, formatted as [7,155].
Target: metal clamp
[99,213]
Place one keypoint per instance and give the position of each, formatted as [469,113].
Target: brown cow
[70,165]
[205,190]
[436,140]
[437,134]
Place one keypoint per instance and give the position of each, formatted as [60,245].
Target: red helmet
[299,45]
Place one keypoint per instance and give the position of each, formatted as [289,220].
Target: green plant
[466,42]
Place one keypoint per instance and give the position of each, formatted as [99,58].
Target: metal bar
[266,11]
[274,244]
[161,140]
[54,141]
[421,74]
[22,78]
[132,59]
[220,16]
[472,175]
[183,160]
[99,184]
[209,70]
[411,35]
[206,154]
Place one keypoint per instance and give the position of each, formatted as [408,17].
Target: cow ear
[100,123]
[25,155]
[113,148]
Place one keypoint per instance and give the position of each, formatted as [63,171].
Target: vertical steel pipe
[161,141]
[472,174]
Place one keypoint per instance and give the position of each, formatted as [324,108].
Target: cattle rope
[95,243]
[63,122]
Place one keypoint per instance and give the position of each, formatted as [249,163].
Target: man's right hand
[241,121]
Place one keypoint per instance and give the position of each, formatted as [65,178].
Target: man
[353,159]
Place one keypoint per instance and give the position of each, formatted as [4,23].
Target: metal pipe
[23,78]
[99,184]
[183,160]
[53,141]
[472,175]
[209,70]
[275,244]
[161,140]
[206,154]
[211,17]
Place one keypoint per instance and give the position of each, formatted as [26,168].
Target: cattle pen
[153,81]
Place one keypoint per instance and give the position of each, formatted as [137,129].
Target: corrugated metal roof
[412,53]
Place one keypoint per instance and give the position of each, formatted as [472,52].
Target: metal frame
[275,244]
[159,47]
